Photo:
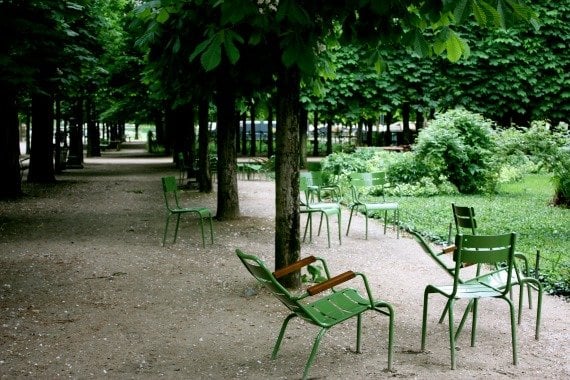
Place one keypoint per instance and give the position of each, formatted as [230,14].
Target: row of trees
[167,61]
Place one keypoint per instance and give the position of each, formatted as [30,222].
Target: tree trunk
[204,177]
[270,152]
[405,135]
[303,129]
[329,137]
[9,146]
[244,134]
[75,157]
[93,138]
[41,157]
[252,137]
[287,216]
[228,200]
[369,127]
[388,133]
[316,133]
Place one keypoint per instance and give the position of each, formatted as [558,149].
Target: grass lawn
[522,207]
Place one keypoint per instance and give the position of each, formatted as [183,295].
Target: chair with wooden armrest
[324,311]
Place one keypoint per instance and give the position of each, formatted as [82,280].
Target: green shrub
[459,145]
[561,178]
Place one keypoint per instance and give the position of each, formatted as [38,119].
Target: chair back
[496,250]
[170,191]
[261,273]
[464,218]
[359,182]
[434,255]
[305,185]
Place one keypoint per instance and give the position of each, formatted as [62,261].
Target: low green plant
[561,178]
[523,207]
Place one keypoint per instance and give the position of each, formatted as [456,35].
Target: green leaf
[454,47]
[232,51]
[211,57]
[462,11]
[163,16]
[200,48]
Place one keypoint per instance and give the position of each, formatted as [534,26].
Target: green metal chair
[324,209]
[319,189]
[478,249]
[324,311]
[173,207]
[361,184]
[464,218]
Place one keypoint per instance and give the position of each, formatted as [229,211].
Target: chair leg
[513,330]
[451,333]
[211,230]
[328,227]
[339,226]
[166,229]
[358,332]
[390,314]
[463,319]
[424,319]
[474,323]
[176,228]
[397,222]
[202,230]
[535,284]
[281,333]
[349,220]
[314,351]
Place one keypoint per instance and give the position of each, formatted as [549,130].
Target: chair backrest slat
[464,217]
[170,191]
[495,250]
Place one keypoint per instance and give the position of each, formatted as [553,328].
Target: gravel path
[87,291]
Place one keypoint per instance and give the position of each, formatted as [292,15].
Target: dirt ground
[87,291]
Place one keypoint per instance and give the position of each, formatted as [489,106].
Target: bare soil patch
[87,291]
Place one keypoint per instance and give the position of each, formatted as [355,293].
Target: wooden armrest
[312,290]
[294,267]
[448,249]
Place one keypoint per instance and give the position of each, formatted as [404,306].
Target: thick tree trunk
[204,177]
[9,146]
[228,200]
[287,216]
[41,158]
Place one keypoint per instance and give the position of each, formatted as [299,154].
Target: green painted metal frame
[324,209]
[326,311]
[173,208]
[476,249]
[360,184]
[464,218]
